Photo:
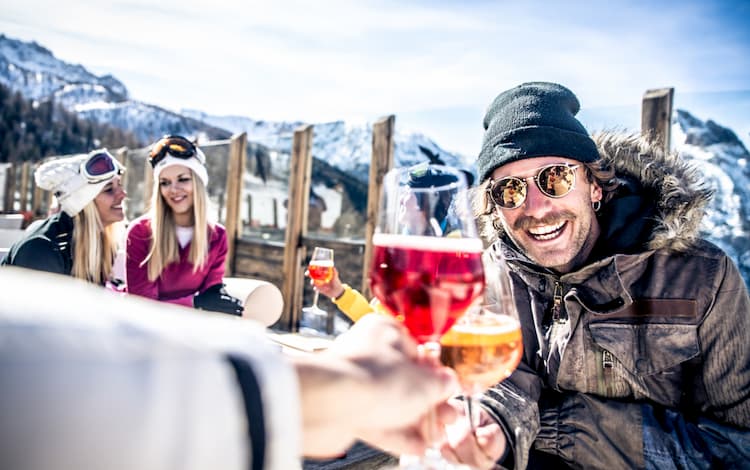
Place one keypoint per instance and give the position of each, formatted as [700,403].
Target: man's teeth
[546,232]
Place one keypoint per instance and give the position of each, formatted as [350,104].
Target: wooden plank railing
[283,263]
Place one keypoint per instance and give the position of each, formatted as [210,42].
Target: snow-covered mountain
[725,163]
[37,74]
[341,145]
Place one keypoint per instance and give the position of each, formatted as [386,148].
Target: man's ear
[596,192]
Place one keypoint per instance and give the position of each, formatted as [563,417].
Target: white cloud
[295,59]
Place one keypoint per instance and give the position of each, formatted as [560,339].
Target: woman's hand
[332,289]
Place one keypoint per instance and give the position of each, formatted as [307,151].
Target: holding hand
[331,289]
[373,389]
[479,451]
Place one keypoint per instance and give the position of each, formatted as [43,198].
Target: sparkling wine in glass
[426,268]
[484,346]
[314,319]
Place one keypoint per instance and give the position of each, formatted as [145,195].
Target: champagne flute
[314,319]
[426,267]
[485,346]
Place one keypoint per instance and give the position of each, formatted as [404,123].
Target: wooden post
[380,163]
[275,213]
[235,173]
[148,183]
[24,186]
[656,116]
[300,169]
[10,188]
[220,208]
[249,210]
[122,156]
[40,200]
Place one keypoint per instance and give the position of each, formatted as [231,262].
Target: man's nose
[536,201]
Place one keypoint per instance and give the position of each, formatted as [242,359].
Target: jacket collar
[660,201]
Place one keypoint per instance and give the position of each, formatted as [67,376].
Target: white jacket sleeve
[90,379]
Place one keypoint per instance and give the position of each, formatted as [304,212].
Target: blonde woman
[80,240]
[174,253]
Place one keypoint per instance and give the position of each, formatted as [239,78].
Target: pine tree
[31,131]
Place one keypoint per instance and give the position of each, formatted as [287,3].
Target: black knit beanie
[535,119]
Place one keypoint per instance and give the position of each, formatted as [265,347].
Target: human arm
[479,449]
[714,427]
[726,351]
[138,245]
[41,254]
[217,299]
[704,355]
[217,255]
[348,300]
[508,424]
[369,386]
[224,394]
[353,303]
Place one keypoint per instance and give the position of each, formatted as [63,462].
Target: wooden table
[295,343]
[360,456]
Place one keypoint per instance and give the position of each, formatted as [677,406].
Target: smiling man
[634,329]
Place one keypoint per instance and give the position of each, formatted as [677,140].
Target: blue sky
[436,65]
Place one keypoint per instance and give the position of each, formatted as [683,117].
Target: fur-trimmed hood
[661,199]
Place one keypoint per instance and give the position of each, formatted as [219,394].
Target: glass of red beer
[426,268]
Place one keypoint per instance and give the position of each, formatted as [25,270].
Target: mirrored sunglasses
[99,167]
[174,145]
[555,181]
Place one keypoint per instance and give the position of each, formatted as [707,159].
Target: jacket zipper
[608,365]
[557,304]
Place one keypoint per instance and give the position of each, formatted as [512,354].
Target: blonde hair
[94,246]
[164,247]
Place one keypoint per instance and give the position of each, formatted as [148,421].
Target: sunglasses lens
[556,180]
[509,192]
[100,164]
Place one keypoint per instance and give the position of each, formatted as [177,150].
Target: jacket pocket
[648,348]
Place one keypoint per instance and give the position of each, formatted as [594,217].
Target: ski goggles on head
[174,145]
[100,166]
[424,175]
[555,181]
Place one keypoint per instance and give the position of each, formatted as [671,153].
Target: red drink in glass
[428,282]
[321,271]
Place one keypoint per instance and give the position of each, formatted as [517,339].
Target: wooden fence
[283,263]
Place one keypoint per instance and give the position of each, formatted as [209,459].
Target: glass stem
[315,298]
[472,413]
[432,459]
[429,353]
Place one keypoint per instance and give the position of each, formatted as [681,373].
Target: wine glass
[485,346]
[314,319]
[426,267]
